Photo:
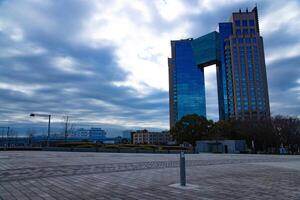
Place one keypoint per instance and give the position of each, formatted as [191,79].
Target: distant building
[221,146]
[81,134]
[127,135]
[97,133]
[78,135]
[146,137]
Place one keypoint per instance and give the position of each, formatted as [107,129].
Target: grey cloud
[63,92]
[53,27]
[282,77]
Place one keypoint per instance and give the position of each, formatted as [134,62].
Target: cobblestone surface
[70,175]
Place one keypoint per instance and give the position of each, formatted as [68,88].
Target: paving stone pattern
[74,175]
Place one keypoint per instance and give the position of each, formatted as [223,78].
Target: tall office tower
[237,50]
[186,82]
[243,61]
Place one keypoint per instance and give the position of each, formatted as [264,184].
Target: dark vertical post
[48,139]
[66,129]
[2,139]
[253,146]
[7,135]
[182,169]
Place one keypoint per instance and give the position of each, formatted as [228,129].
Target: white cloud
[128,121]
[282,52]
[18,44]
[141,49]
[171,10]
[100,103]
[281,16]
[211,5]
[22,50]
[296,90]
[26,89]
[14,32]
[70,65]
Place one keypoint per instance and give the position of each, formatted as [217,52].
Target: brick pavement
[73,175]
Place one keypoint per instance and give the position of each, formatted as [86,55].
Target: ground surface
[72,175]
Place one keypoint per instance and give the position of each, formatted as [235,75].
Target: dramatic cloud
[105,62]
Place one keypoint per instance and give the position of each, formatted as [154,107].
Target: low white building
[146,137]
[221,146]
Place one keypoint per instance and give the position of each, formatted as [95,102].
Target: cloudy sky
[105,62]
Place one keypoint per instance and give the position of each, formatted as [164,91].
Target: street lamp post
[48,137]
[49,119]
[7,134]
[66,128]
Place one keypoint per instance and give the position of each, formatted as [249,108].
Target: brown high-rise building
[244,61]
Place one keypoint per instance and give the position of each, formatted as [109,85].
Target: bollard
[182,169]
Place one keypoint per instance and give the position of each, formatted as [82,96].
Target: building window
[237,23]
[245,31]
[251,22]
[252,31]
[245,23]
[238,31]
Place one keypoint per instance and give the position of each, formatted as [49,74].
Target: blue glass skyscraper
[237,50]
[186,82]
[186,74]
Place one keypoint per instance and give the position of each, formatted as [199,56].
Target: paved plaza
[80,175]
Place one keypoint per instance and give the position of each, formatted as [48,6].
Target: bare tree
[287,129]
[68,127]
[12,137]
[30,134]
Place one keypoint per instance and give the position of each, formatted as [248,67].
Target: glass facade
[223,70]
[187,92]
[206,49]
